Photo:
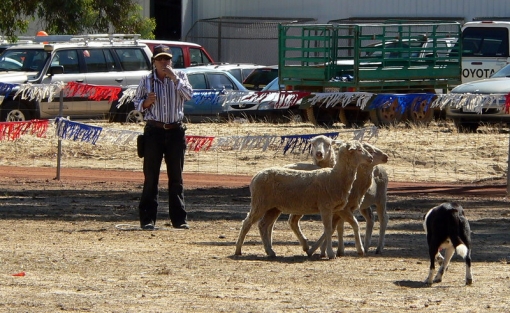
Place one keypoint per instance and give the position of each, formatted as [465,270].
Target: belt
[163,125]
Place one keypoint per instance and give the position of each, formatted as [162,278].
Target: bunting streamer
[470,102]
[405,101]
[245,142]
[360,134]
[67,129]
[92,92]
[197,143]
[6,89]
[14,130]
[127,96]
[301,141]
[287,99]
[330,99]
[119,136]
[201,96]
[39,92]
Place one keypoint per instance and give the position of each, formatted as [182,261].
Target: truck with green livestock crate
[379,72]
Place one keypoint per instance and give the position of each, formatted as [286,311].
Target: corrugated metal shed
[322,11]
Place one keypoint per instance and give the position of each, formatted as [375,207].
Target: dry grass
[435,153]
[63,234]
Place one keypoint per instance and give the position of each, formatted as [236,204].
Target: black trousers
[170,145]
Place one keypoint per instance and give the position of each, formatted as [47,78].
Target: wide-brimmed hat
[160,50]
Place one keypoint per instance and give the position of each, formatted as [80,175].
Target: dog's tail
[456,233]
[462,250]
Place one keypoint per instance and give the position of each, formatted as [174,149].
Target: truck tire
[418,113]
[389,115]
[321,116]
[14,112]
[342,116]
[310,116]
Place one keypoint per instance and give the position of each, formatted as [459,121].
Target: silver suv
[106,60]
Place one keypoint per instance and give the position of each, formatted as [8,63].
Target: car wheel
[420,113]
[342,116]
[134,116]
[389,114]
[14,112]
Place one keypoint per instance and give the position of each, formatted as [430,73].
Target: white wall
[325,10]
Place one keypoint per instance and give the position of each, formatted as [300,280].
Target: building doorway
[167,14]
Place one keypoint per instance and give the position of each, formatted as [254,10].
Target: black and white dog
[447,228]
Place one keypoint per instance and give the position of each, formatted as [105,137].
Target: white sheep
[323,151]
[281,190]
[376,195]
[362,183]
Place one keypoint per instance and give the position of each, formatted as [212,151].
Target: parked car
[468,120]
[184,54]
[260,77]
[98,59]
[239,70]
[263,105]
[209,93]
[416,48]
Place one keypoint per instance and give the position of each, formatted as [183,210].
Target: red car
[185,54]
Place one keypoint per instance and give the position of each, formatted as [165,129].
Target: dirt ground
[73,240]
[70,244]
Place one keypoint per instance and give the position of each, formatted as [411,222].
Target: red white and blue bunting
[14,130]
[472,102]
[80,132]
[363,100]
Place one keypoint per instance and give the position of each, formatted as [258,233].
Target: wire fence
[429,154]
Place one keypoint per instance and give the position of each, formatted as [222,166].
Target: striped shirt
[170,97]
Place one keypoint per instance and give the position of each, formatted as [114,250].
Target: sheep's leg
[266,225]
[383,223]
[340,231]
[369,218]
[349,217]
[327,220]
[321,242]
[442,269]
[294,225]
[248,221]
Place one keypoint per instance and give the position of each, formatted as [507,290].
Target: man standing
[161,95]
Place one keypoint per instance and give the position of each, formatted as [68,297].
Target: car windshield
[260,78]
[23,60]
[504,72]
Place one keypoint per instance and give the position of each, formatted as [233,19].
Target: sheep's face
[355,147]
[321,148]
[379,157]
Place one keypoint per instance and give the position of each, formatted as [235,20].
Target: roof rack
[86,38]
[21,40]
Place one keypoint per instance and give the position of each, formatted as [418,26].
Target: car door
[101,70]
[200,104]
[72,106]
[134,64]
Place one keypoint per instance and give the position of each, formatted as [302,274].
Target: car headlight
[266,106]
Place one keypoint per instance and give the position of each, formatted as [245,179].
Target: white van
[485,48]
